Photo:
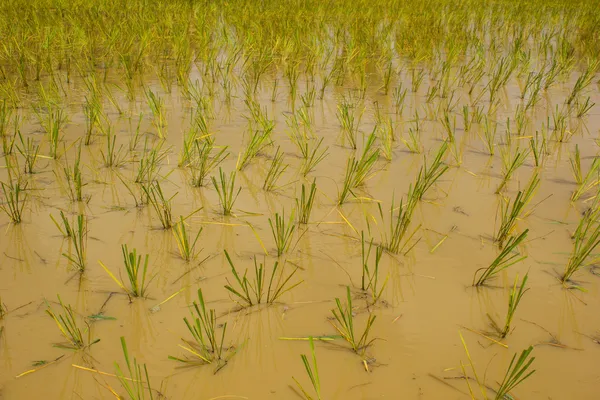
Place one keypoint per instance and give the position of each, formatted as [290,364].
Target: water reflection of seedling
[515,295]
[136,382]
[225,190]
[370,275]
[207,344]
[67,324]
[507,257]
[344,316]
[313,373]
[305,203]
[185,243]
[515,374]
[257,290]
[136,269]
[282,231]
[78,257]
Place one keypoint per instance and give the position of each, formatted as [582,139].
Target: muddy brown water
[427,303]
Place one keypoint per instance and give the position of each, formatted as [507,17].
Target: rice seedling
[429,174]
[449,126]
[386,138]
[304,205]
[539,148]
[399,96]
[400,218]
[30,151]
[6,113]
[205,160]
[590,181]
[575,162]
[136,271]
[312,155]
[346,114]
[74,178]
[15,199]
[513,302]
[370,276]
[582,108]
[225,190]
[510,212]
[359,170]
[276,169]
[79,235]
[185,243]
[503,260]
[313,373]
[510,164]
[69,328]
[584,80]
[489,136]
[417,76]
[344,316]
[560,132]
[3,309]
[206,346]
[66,229]
[515,374]
[161,205]
[282,231]
[149,163]
[157,107]
[586,239]
[111,157]
[53,124]
[136,382]
[249,292]
[92,110]
[258,141]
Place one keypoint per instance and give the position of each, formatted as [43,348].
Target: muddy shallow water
[428,301]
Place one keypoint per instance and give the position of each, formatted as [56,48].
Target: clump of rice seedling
[400,218]
[513,302]
[185,243]
[282,231]
[79,232]
[591,180]
[53,124]
[370,276]
[74,178]
[539,148]
[111,157]
[489,136]
[386,138]
[305,203]
[582,108]
[204,160]
[510,165]
[428,175]
[505,259]
[575,162]
[358,170]
[70,330]
[510,212]
[350,122]
[225,191]
[92,110]
[258,141]
[255,290]
[30,152]
[276,168]
[312,155]
[399,95]
[161,205]
[515,374]
[312,371]
[148,165]
[586,238]
[136,270]
[344,316]
[584,80]
[66,230]
[137,382]
[15,198]
[157,107]
[207,345]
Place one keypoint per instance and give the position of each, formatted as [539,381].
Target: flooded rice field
[287,200]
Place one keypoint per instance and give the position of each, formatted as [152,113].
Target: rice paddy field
[299,199]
